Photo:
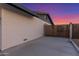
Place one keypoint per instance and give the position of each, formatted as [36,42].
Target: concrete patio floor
[44,46]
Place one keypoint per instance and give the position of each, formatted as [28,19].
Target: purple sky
[61,13]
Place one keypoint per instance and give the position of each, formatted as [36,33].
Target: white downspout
[70,32]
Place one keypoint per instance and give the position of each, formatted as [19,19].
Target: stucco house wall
[16,28]
[0,12]
[0,28]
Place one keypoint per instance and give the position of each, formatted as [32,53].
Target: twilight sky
[61,13]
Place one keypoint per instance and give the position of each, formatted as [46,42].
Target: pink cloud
[65,19]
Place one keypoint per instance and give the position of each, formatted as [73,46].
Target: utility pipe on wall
[70,31]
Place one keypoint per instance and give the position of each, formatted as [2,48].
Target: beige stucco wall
[0,12]
[15,28]
[0,28]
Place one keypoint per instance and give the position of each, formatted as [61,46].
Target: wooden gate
[75,31]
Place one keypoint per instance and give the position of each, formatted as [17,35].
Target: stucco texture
[16,28]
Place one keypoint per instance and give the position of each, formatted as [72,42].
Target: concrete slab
[44,46]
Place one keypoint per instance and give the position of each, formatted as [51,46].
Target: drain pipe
[70,32]
[70,37]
